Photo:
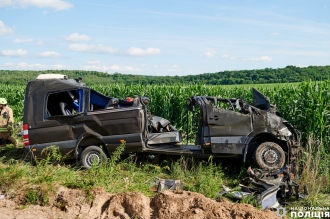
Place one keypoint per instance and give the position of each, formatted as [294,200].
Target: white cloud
[275,34]
[5,3]
[24,65]
[155,66]
[59,66]
[49,54]
[262,58]
[134,51]
[228,57]
[174,68]
[93,62]
[22,40]
[4,30]
[75,37]
[143,65]
[39,43]
[301,66]
[115,68]
[99,48]
[209,53]
[8,64]
[54,4]
[18,52]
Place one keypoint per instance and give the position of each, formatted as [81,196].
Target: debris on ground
[267,187]
[158,184]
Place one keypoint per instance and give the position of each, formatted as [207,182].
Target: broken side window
[64,103]
[97,101]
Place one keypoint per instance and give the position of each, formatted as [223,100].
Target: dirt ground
[73,204]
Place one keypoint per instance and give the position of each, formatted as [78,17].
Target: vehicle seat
[65,109]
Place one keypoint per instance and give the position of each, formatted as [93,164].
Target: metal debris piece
[169,184]
[239,195]
[267,186]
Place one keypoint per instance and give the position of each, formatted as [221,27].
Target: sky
[163,37]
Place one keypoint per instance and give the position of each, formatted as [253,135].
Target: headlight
[285,131]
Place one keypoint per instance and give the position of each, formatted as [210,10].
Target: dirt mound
[183,204]
[71,203]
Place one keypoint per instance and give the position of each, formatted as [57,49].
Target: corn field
[305,105]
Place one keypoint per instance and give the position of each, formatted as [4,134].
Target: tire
[269,155]
[92,154]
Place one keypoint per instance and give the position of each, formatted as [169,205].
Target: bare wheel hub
[93,157]
[270,156]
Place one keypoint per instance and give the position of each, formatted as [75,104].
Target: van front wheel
[269,155]
[92,155]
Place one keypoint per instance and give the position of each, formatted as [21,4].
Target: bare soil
[74,204]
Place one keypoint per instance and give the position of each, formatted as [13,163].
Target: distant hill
[268,75]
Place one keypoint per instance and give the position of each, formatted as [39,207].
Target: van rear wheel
[92,155]
[269,155]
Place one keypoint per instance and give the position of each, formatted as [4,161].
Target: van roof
[52,76]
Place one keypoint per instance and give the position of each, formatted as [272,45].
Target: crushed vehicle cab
[232,126]
[88,126]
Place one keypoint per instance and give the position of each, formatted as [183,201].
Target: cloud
[115,68]
[21,40]
[174,68]
[5,3]
[54,4]
[262,58]
[4,30]
[49,54]
[18,52]
[209,53]
[275,34]
[93,62]
[39,43]
[59,66]
[228,56]
[75,37]
[24,65]
[99,48]
[134,51]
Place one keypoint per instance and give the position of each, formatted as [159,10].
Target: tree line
[288,74]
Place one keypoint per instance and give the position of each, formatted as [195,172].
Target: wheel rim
[93,157]
[271,156]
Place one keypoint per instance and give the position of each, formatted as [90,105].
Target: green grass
[38,181]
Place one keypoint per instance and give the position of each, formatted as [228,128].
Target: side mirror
[145,100]
[112,102]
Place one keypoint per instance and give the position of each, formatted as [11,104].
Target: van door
[61,111]
[228,128]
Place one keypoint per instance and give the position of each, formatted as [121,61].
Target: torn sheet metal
[267,187]
[166,184]
[169,184]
